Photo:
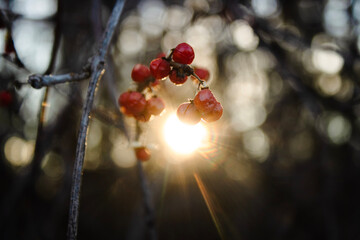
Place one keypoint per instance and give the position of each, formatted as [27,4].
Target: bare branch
[38,81]
[98,70]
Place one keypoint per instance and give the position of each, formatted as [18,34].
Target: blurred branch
[98,70]
[29,178]
[108,117]
[111,88]
[149,210]
[268,31]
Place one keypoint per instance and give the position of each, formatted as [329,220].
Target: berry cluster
[134,104]
[142,103]
[204,106]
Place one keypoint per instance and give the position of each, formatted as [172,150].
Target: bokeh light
[18,151]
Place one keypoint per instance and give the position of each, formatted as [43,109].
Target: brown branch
[97,69]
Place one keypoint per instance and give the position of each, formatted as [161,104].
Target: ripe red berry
[205,101]
[5,98]
[177,77]
[159,68]
[155,106]
[140,73]
[215,114]
[187,113]
[202,73]
[142,153]
[183,53]
[132,103]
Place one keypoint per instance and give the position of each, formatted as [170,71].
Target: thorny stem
[149,210]
[98,70]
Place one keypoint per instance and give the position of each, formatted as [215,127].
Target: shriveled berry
[187,113]
[155,106]
[183,53]
[142,153]
[6,98]
[177,77]
[132,103]
[140,73]
[205,101]
[159,68]
[202,73]
[215,114]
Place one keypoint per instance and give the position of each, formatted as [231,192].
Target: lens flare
[183,138]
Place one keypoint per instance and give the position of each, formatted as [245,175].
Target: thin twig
[38,81]
[98,70]
[149,210]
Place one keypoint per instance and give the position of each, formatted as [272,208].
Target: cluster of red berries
[176,67]
[134,104]
[204,106]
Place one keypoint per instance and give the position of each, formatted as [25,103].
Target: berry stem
[168,58]
[188,71]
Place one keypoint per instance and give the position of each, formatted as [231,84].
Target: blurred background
[283,162]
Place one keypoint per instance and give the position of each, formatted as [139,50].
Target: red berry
[177,77]
[183,53]
[123,101]
[142,153]
[132,103]
[215,114]
[5,98]
[161,55]
[205,101]
[202,73]
[159,68]
[140,73]
[155,106]
[187,113]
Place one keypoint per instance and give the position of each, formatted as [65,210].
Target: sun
[183,138]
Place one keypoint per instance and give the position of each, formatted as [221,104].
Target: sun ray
[209,205]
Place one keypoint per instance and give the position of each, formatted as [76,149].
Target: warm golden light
[183,138]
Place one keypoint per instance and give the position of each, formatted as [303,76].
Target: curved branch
[97,69]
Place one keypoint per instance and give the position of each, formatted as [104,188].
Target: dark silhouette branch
[149,210]
[97,69]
